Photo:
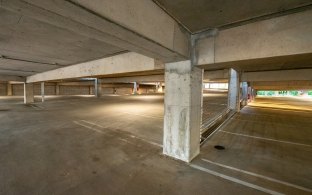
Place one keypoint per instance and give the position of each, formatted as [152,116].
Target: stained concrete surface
[85,145]
[110,145]
[272,137]
[213,103]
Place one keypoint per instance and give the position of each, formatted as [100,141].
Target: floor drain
[218,147]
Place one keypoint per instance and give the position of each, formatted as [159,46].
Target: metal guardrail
[211,125]
[208,123]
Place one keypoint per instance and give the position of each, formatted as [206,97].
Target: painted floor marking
[147,116]
[235,180]
[132,136]
[267,139]
[254,121]
[88,127]
[260,176]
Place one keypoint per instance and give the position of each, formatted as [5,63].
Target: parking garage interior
[155,97]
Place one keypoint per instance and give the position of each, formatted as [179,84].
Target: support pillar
[9,89]
[249,93]
[183,102]
[234,90]
[135,88]
[245,93]
[42,91]
[159,88]
[28,93]
[98,88]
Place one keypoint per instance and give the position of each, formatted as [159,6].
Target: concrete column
[28,93]
[9,89]
[135,88]
[249,93]
[245,93]
[57,89]
[98,88]
[183,102]
[42,91]
[234,90]
[159,88]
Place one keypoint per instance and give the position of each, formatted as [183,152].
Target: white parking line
[260,176]
[267,139]
[146,116]
[132,136]
[262,189]
[88,127]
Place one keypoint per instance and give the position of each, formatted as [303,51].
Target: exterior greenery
[282,93]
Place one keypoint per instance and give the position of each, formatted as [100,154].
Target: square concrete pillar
[42,91]
[159,88]
[245,93]
[28,93]
[234,90]
[183,104]
[98,88]
[135,88]
[9,89]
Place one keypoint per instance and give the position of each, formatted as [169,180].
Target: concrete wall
[49,89]
[3,89]
[18,89]
[74,90]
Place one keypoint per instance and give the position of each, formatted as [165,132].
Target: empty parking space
[267,145]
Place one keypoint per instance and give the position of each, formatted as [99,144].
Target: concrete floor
[269,144]
[112,145]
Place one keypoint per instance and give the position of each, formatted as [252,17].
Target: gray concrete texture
[278,43]
[77,145]
[208,14]
[268,143]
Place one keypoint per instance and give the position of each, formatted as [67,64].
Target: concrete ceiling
[29,46]
[198,15]
[274,63]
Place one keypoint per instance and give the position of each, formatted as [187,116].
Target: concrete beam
[140,26]
[208,76]
[147,78]
[83,83]
[288,35]
[281,85]
[281,75]
[122,63]
[12,78]
[216,75]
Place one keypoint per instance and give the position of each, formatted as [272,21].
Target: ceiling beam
[119,64]
[281,75]
[12,78]
[156,35]
[268,43]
